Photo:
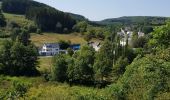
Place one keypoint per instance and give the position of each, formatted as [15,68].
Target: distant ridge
[129,20]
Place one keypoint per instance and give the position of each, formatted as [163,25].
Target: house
[95,45]
[141,34]
[49,49]
[125,34]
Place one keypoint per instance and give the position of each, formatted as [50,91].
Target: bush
[59,68]
[38,31]
[17,59]
[146,78]
[33,28]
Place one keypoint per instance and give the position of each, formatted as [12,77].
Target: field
[39,39]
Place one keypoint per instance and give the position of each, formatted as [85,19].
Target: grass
[2,40]
[65,92]
[39,40]
[19,19]
[45,64]
[39,89]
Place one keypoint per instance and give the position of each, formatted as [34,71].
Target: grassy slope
[46,37]
[53,37]
[19,19]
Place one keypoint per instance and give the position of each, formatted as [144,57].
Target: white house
[50,49]
[95,45]
[125,35]
[141,34]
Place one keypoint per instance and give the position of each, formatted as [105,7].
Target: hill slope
[133,20]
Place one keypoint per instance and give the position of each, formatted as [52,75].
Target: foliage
[80,68]
[64,44]
[136,20]
[18,6]
[119,68]
[70,51]
[24,37]
[50,19]
[2,19]
[81,27]
[147,29]
[160,37]
[59,68]
[147,77]
[104,61]
[55,20]
[18,63]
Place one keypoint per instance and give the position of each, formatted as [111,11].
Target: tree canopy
[2,19]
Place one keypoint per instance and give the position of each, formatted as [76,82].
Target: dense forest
[45,17]
[2,20]
[133,20]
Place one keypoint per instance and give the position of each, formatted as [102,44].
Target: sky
[97,10]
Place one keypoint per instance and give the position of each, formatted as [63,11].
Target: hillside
[39,39]
[134,20]
[52,38]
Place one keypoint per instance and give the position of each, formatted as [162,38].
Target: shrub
[146,78]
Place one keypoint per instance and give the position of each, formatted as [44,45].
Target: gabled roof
[52,45]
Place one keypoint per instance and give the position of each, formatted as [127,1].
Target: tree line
[46,18]
[2,19]
[49,19]
[89,67]
[19,56]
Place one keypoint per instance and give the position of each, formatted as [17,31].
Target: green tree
[2,19]
[70,51]
[81,67]
[15,33]
[24,37]
[64,44]
[104,61]
[17,59]
[119,68]
[81,26]
[5,57]
[59,69]
[24,59]
[161,37]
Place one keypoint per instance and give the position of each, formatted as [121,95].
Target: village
[51,49]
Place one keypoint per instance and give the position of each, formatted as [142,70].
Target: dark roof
[52,45]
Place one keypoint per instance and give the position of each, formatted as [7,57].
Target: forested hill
[46,18]
[133,20]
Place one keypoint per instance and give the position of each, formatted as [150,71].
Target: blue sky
[102,9]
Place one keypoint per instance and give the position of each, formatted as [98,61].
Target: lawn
[39,40]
